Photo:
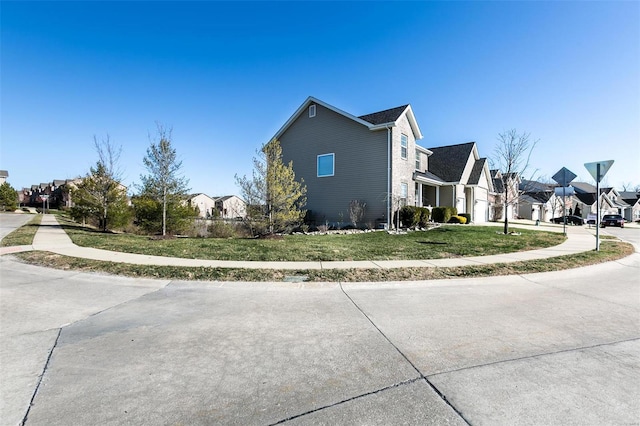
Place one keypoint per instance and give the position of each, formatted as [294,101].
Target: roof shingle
[386,116]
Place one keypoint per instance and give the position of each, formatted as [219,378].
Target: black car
[612,220]
[573,220]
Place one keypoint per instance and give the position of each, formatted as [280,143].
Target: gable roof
[4,173]
[630,197]
[583,187]
[476,172]
[377,118]
[448,162]
[386,116]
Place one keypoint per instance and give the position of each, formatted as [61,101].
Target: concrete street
[553,348]
[9,222]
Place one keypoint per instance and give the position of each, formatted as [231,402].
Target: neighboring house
[230,207]
[205,204]
[3,176]
[506,185]
[376,160]
[609,200]
[465,180]
[539,202]
[57,194]
[632,214]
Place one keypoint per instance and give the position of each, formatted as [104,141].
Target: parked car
[574,220]
[612,220]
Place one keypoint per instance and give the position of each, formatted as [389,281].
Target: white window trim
[312,111]
[333,164]
[406,156]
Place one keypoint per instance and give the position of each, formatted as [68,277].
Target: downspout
[389,192]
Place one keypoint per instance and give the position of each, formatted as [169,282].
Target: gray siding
[360,164]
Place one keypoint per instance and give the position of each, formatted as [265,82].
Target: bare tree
[511,157]
[356,211]
[164,183]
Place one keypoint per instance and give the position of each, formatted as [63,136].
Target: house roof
[583,187]
[498,185]
[448,162]
[427,176]
[630,197]
[387,116]
[4,173]
[535,197]
[587,198]
[377,118]
[535,186]
[476,172]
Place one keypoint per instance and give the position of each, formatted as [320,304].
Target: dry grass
[609,250]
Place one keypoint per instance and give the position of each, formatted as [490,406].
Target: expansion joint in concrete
[422,376]
[44,370]
[315,410]
[541,355]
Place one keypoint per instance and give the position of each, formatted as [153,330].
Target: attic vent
[312,111]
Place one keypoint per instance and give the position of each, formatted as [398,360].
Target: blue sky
[226,76]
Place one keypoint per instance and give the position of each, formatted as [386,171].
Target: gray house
[375,159]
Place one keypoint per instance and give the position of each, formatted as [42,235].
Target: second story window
[404,143]
[418,160]
[326,165]
[312,111]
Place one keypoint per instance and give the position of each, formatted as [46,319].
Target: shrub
[443,214]
[457,219]
[466,216]
[409,216]
[424,216]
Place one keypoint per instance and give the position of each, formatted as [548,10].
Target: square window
[326,165]
[404,143]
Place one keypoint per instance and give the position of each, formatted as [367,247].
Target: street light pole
[598,207]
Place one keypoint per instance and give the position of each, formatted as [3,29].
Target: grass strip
[609,250]
[442,243]
[23,236]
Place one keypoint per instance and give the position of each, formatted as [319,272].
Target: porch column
[419,200]
[437,196]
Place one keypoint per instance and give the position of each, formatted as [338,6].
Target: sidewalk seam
[44,370]
[422,376]
[599,345]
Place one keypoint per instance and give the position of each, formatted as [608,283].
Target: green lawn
[444,242]
[23,236]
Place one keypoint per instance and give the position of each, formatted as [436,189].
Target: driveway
[552,348]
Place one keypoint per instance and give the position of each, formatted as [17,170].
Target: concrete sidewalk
[52,238]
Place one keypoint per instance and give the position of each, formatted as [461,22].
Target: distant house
[230,207]
[609,199]
[506,186]
[206,205]
[632,214]
[375,159]
[538,201]
[3,176]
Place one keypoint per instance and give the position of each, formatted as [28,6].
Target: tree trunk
[164,215]
[506,218]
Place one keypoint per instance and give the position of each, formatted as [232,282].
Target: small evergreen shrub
[409,216]
[424,217]
[443,214]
